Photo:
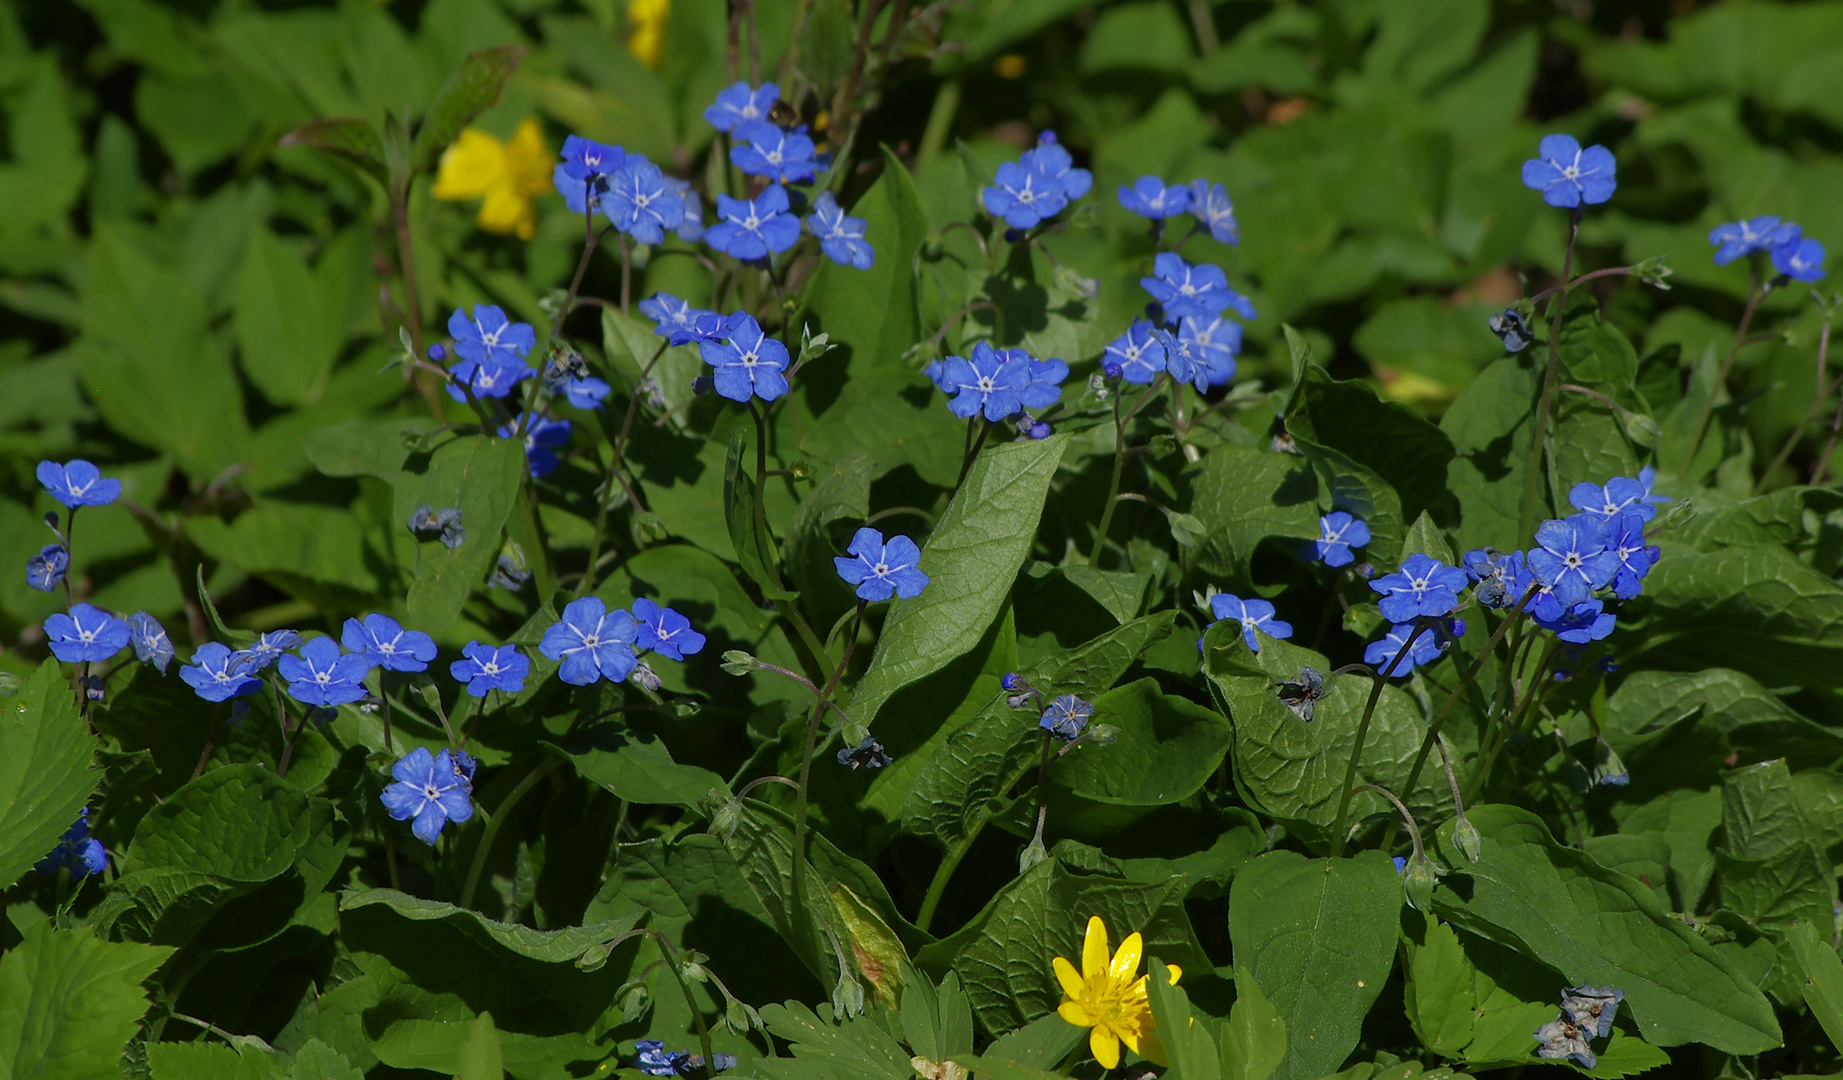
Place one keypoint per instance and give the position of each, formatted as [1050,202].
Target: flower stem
[1538,685]
[1755,294]
[1823,394]
[821,699]
[506,806]
[1356,751]
[1113,487]
[1558,305]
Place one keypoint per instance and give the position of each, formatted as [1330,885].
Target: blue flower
[1137,353]
[868,754]
[1568,175]
[87,634]
[1338,532]
[680,323]
[1182,289]
[383,642]
[840,237]
[1253,615]
[1621,495]
[1212,206]
[1647,476]
[1184,361]
[586,159]
[749,363]
[665,631]
[1626,540]
[1584,622]
[592,642]
[765,149]
[1747,236]
[77,851]
[1380,654]
[879,569]
[543,438]
[988,383]
[653,1059]
[642,203]
[217,674]
[429,793]
[585,393]
[484,668]
[1066,717]
[1510,327]
[1023,195]
[738,104]
[1049,158]
[1502,579]
[751,228]
[80,483]
[1213,341]
[1592,1008]
[490,338]
[1150,198]
[1042,379]
[268,648]
[1423,586]
[46,569]
[1802,260]
[1571,558]
[322,675]
[151,645]
[486,380]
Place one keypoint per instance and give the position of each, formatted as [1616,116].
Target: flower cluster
[592,643]
[1000,384]
[1151,198]
[492,351]
[1186,334]
[1792,253]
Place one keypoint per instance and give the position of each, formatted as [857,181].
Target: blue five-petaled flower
[151,645]
[592,643]
[680,323]
[751,228]
[739,103]
[642,202]
[1381,655]
[1182,289]
[748,363]
[1338,532]
[764,149]
[880,569]
[1737,238]
[77,851]
[46,570]
[429,793]
[1136,356]
[665,631]
[840,237]
[1424,586]
[989,383]
[217,674]
[483,668]
[78,483]
[1569,176]
[1571,558]
[322,675]
[489,337]
[383,642]
[87,635]
[1252,615]
[1150,198]
[1066,717]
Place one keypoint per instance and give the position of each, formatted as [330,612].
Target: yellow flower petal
[506,211]
[1105,1046]
[646,36]
[1094,950]
[1175,972]
[1075,1013]
[529,162]
[1126,961]
[471,166]
[1066,974]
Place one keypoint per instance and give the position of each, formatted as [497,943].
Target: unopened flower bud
[1417,883]
[1465,837]
[737,662]
[437,353]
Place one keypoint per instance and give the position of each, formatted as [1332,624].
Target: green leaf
[354,140]
[1758,609]
[937,1024]
[162,905]
[1437,985]
[827,44]
[842,493]
[872,312]
[303,547]
[1425,538]
[1598,926]
[1772,869]
[1003,955]
[1040,1044]
[971,560]
[1166,749]
[1254,1036]
[1319,936]
[631,346]
[286,333]
[1243,496]
[364,447]
[69,1003]
[470,90]
[479,1057]
[1823,975]
[315,1060]
[45,769]
[239,823]
[754,547]
[637,766]
[857,1049]
[1352,487]
[481,476]
[1186,1038]
[545,946]
[206,1061]
[1491,425]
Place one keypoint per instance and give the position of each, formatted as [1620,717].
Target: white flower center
[431,792]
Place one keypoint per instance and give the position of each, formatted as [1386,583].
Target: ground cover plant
[890,539]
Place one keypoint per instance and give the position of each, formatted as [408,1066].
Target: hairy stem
[1356,751]
[506,806]
[1755,294]
[1526,516]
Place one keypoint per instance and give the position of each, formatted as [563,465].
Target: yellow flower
[505,176]
[646,29]
[1107,999]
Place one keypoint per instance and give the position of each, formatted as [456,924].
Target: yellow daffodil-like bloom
[505,176]
[1108,999]
[646,29]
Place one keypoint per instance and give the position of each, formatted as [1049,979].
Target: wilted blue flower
[641,203]
[217,674]
[1023,195]
[429,793]
[1214,341]
[989,383]
[739,103]
[489,337]
[1067,717]
[1301,693]
[1626,540]
[1137,353]
[87,634]
[751,228]
[1338,532]
[749,363]
[1423,586]
[1561,1039]
[840,237]
[1509,325]
[1253,615]
[1381,654]
[1592,1008]
[77,851]
[1182,289]
[665,631]
[765,149]
[1621,495]
[592,643]
[484,668]
[653,1059]
[1150,198]
[1568,175]
[868,754]
[1211,206]
[1802,260]
[428,523]
[1184,361]
[80,483]
[507,574]
[880,569]
[1584,622]
[46,570]
[322,675]
[543,438]
[151,645]
[383,642]
[485,380]
[1571,558]
[1747,236]
[1502,578]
